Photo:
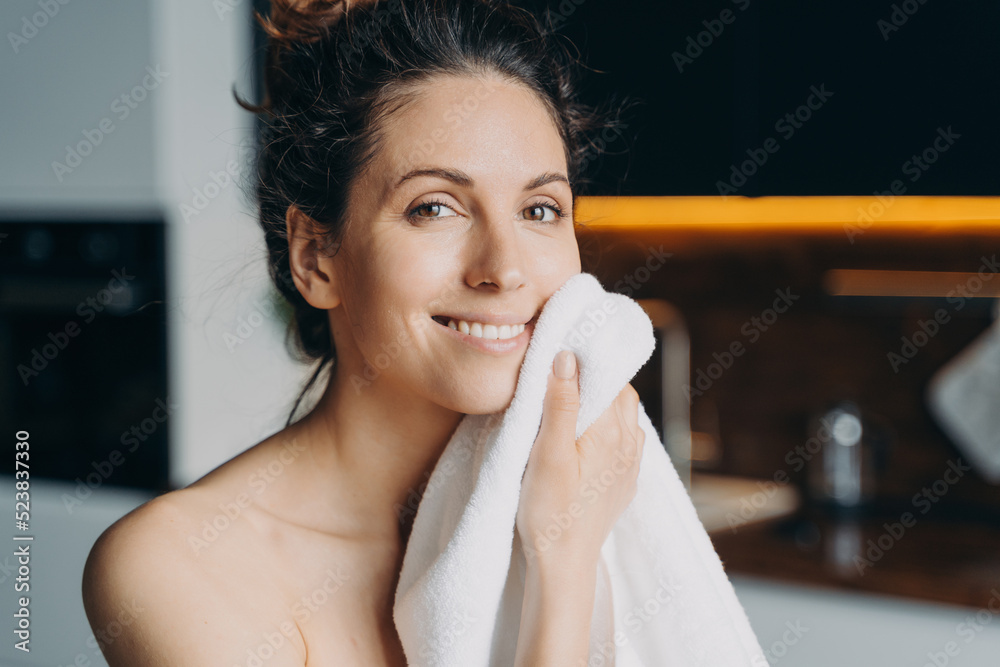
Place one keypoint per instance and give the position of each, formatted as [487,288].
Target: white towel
[662,596]
[964,394]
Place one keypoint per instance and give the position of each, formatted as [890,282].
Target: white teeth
[488,331]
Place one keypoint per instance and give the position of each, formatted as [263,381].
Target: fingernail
[565,365]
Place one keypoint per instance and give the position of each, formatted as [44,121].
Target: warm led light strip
[818,214]
[863,282]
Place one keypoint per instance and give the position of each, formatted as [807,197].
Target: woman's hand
[573,491]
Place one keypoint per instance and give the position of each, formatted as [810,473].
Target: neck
[380,444]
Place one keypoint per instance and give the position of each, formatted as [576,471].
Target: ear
[310,258]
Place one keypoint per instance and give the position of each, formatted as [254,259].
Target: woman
[416,179]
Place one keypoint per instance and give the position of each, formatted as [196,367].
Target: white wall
[61,79]
[63,72]
[227,399]
[65,78]
[807,626]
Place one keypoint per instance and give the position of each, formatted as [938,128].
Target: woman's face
[465,215]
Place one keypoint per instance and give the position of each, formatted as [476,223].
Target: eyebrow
[461,178]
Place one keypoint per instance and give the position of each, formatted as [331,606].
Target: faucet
[675,375]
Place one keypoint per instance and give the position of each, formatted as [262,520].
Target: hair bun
[293,22]
[303,20]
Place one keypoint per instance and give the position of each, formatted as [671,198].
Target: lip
[497,319]
[492,346]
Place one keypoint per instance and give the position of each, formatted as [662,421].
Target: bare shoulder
[153,600]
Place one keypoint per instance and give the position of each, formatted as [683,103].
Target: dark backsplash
[823,348]
[83,336]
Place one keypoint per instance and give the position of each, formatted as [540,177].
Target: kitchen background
[136,316]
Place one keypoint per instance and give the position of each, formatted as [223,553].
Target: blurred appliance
[83,337]
[852,455]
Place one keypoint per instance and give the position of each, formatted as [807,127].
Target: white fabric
[964,397]
[661,587]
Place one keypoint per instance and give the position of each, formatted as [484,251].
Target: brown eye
[539,209]
[430,208]
[434,207]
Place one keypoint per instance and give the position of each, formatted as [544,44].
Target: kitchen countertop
[840,627]
[935,558]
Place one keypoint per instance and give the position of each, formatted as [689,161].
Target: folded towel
[662,596]
[964,396]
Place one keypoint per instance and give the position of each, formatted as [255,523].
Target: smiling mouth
[485,331]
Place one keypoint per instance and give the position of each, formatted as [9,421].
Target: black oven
[83,343]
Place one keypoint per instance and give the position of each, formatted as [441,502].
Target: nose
[498,257]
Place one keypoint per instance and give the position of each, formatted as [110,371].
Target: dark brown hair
[335,72]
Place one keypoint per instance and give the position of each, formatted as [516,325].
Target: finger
[562,402]
[628,410]
[638,435]
[640,443]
